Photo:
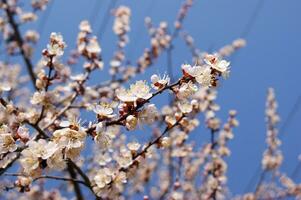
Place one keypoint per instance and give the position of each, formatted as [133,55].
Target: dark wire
[250,23]
[42,24]
[140,28]
[96,7]
[253,18]
[106,19]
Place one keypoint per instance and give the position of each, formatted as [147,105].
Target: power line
[138,33]
[296,170]
[250,23]
[290,116]
[45,16]
[106,19]
[96,7]
[252,20]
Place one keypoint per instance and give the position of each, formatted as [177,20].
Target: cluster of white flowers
[160,40]
[138,94]
[114,178]
[104,110]
[71,139]
[122,21]
[121,27]
[66,143]
[207,75]
[272,157]
[31,36]
[39,4]
[44,98]
[56,46]
[231,48]
[215,169]
[158,82]
[8,79]
[38,128]
[124,159]
[51,60]
[37,152]
[89,47]
[148,114]
[7,141]
[187,90]
[104,177]
[160,37]
[138,91]
[9,138]
[105,135]
[28,17]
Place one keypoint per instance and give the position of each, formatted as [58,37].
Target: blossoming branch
[45,136]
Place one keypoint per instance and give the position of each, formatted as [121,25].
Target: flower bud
[131,122]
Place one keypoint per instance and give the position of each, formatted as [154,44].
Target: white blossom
[85,26]
[29,161]
[186,90]
[131,122]
[158,82]
[7,143]
[140,90]
[56,45]
[93,46]
[103,177]
[148,114]
[125,158]
[217,64]
[185,106]
[104,110]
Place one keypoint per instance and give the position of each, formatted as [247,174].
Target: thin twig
[3,170]
[46,90]
[16,113]
[63,110]
[48,177]
[155,141]
[78,192]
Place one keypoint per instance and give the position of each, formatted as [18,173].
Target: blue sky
[270,59]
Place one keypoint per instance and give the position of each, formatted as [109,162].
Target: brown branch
[3,170]
[150,144]
[157,140]
[16,112]
[258,185]
[140,105]
[18,38]
[49,177]
[63,110]
[79,195]
[46,89]
[83,175]
[68,106]
[80,172]
[212,147]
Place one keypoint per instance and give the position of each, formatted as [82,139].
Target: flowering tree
[43,138]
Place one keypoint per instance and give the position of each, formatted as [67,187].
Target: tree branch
[79,195]
[49,177]
[18,38]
